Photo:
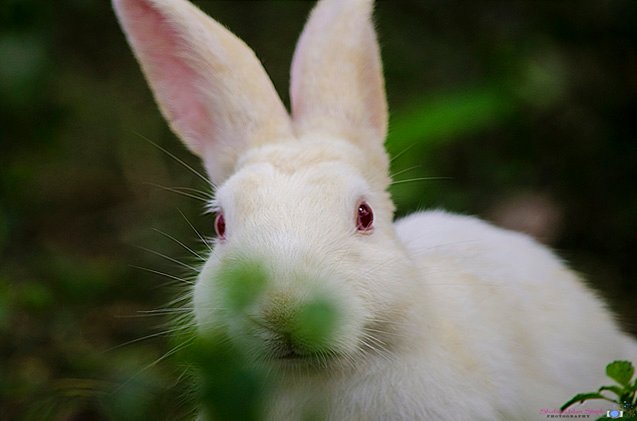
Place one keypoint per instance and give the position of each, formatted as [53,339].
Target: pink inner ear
[176,85]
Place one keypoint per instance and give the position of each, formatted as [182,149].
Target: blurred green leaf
[580,398]
[437,118]
[620,371]
[314,324]
[615,389]
[242,281]
[22,64]
[229,386]
[35,297]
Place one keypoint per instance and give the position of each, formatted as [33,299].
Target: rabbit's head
[303,216]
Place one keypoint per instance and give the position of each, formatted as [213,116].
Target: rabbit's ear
[209,85]
[337,82]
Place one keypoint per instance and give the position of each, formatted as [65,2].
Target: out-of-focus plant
[625,392]
[229,364]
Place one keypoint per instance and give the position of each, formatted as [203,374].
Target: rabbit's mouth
[293,357]
[286,353]
[284,349]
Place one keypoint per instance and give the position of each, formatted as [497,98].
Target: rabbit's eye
[364,217]
[220,226]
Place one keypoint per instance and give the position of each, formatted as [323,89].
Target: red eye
[364,218]
[220,226]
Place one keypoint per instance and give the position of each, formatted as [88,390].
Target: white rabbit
[438,316]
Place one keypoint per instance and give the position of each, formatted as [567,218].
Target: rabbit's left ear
[337,82]
[209,85]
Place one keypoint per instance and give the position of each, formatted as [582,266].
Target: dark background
[522,113]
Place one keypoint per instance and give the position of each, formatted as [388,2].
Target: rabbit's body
[514,325]
[434,317]
[498,328]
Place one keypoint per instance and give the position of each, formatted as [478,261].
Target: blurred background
[523,113]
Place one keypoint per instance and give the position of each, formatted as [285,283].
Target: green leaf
[229,386]
[315,323]
[584,397]
[243,282]
[615,389]
[620,371]
[439,117]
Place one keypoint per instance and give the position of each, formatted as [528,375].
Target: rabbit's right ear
[209,85]
[337,81]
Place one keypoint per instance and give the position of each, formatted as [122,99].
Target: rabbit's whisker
[169,353]
[156,313]
[144,338]
[187,266]
[206,242]
[165,234]
[187,297]
[167,275]
[167,310]
[177,190]
[401,153]
[410,180]
[203,193]
[170,154]
[403,171]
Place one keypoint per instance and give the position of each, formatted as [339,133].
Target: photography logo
[615,413]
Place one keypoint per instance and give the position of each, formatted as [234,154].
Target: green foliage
[241,282]
[229,385]
[625,394]
[438,118]
[229,360]
[621,372]
[314,324]
[230,380]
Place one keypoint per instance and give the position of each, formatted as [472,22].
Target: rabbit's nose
[297,329]
[276,328]
[278,312]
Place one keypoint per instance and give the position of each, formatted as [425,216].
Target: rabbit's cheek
[205,301]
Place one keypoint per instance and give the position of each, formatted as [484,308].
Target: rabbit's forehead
[260,188]
[304,154]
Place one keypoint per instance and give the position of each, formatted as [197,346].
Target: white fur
[440,316]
